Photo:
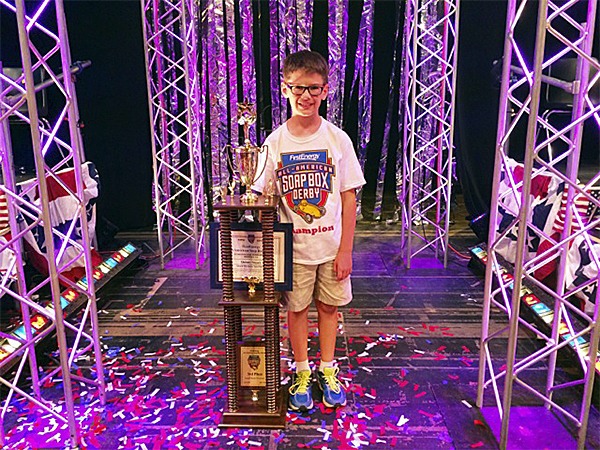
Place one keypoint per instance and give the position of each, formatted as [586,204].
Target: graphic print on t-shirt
[305,179]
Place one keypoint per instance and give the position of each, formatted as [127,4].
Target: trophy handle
[263,148]
[228,150]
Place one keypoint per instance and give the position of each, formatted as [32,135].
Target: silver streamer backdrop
[217,93]
[304,20]
[232,71]
[274,62]
[337,36]
[403,106]
[229,67]
[363,74]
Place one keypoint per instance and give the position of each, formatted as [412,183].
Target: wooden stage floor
[408,351]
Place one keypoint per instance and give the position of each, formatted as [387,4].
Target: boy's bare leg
[298,331]
[328,322]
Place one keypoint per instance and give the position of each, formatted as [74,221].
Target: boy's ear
[284,89]
[325,90]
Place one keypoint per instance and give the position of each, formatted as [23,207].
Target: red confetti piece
[415,387]
[453,377]
[426,414]
[400,383]
[379,409]
[479,423]
[466,349]
[420,394]
[477,444]
[441,348]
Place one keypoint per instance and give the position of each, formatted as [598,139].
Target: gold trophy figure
[246,156]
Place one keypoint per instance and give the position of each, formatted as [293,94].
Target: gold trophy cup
[245,157]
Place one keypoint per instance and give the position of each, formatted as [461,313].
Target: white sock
[302,365]
[323,365]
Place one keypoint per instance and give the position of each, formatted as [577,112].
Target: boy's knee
[299,313]
[325,308]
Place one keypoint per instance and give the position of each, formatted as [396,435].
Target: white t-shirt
[310,174]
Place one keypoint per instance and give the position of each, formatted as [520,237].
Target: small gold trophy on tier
[245,157]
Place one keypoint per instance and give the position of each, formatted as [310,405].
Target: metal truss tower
[564,31]
[430,58]
[32,218]
[175,110]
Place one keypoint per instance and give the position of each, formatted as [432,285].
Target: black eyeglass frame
[291,87]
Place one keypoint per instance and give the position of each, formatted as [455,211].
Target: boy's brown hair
[309,61]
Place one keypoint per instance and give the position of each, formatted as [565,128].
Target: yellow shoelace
[330,376]
[301,383]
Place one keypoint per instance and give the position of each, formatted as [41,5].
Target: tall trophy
[255,396]
[245,157]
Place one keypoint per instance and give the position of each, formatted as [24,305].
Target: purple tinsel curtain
[363,73]
[338,32]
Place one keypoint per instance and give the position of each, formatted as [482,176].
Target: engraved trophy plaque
[244,159]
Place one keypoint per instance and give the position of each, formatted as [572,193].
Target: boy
[316,172]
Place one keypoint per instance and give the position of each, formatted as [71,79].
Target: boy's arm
[343,261]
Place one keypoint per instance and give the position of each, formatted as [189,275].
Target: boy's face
[302,88]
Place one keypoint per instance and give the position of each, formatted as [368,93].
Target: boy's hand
[342,265]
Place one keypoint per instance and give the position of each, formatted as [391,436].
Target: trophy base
[252,414]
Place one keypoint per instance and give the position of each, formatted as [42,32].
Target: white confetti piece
[419,351]
[366,369]
[402,421]
[466,403]
[388,354]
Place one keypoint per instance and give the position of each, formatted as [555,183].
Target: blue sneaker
[333,392]
[301,391]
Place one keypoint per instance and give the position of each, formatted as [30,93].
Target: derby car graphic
[308,211]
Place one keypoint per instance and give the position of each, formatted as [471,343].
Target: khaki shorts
[318,282]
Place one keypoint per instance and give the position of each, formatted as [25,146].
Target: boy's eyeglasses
[299,90]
